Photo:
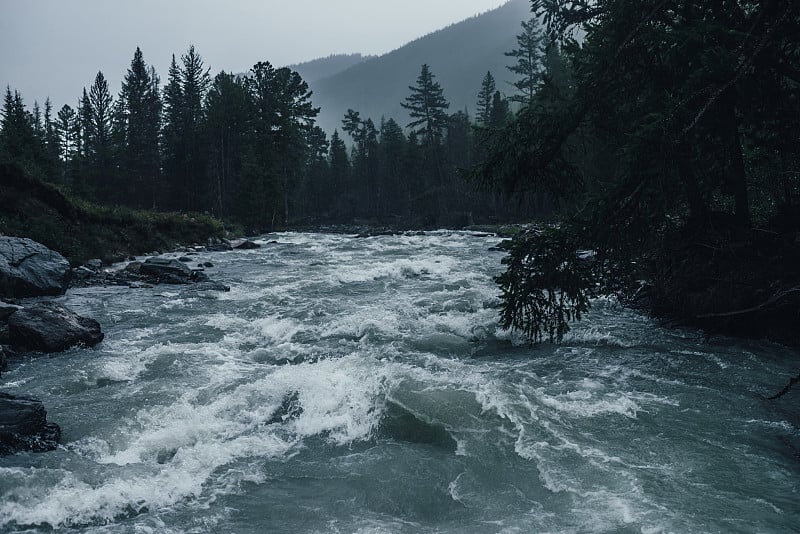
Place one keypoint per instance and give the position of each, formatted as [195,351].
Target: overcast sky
[55,47]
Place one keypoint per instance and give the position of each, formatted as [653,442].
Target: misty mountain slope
[458,55]
[317,69]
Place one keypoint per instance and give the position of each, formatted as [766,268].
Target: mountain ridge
[459,55]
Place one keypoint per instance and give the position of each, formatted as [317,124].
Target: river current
[363,386]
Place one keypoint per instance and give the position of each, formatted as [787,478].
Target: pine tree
[529,62]
[392,152]
[98,140]
[500,111]
[427,107]
[67,130]
[184,117]
[428,110]
[139,119]
[488,89]
[283,115]
[228,116]
[339,175]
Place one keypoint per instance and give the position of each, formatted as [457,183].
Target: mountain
[317,69]
[458,55]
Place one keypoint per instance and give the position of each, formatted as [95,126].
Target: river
[363,386]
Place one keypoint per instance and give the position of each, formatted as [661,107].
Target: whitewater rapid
[363,385]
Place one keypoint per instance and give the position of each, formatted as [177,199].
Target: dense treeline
[246,148]
[676,145]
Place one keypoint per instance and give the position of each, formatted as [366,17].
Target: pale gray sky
[55,47]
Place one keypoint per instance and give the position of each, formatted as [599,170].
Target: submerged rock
[24,426]
[50,327]
[30,269]
[7,310]
[161,267]
[245,244]
[219,247]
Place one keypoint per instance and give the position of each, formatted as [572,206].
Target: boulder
[245,244]
[24,426]
[6,310]
[50,327]
[95,264]
[134,267]
[166,270]
[219,247]
[30,269]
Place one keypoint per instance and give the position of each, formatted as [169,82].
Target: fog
[54,48]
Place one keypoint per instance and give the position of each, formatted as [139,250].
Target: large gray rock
[24,426]
[30,269]
[50,327]
[244,244]
[7,310]
[167,271]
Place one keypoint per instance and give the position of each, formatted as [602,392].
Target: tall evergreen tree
[283,116]
[428,110]
[139,119]
[98,145]
[340,175]
[228,115]
[184,116]
[528,66]
[427,107]
[485,95]
[18,139]
[67,130]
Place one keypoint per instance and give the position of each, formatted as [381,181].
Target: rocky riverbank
[30,323]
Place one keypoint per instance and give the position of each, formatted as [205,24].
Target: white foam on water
[589,404]
[169,453]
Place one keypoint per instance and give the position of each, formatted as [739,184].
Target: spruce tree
[229,122]
[528,68]
[98,145]
[184,122]
[339,175]
[140,114]
[485,96]
[427,107]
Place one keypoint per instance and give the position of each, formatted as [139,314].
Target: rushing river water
[363,385]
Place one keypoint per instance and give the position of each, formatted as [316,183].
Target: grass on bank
[80,230]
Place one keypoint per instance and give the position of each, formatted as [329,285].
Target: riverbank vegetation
[672,138]
[81,230]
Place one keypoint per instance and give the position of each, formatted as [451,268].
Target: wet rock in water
[184,259]
[7,310]
[134,267]
[50,327]
[5,336]
[219,247]
[289,409]
[94,264]
[30,269]
[211,285]
[3,360]
[400,424]
[24,426]
[168,270]
[208,264]
[245,244]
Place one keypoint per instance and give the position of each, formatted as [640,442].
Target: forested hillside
[460,55]
[318,69]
